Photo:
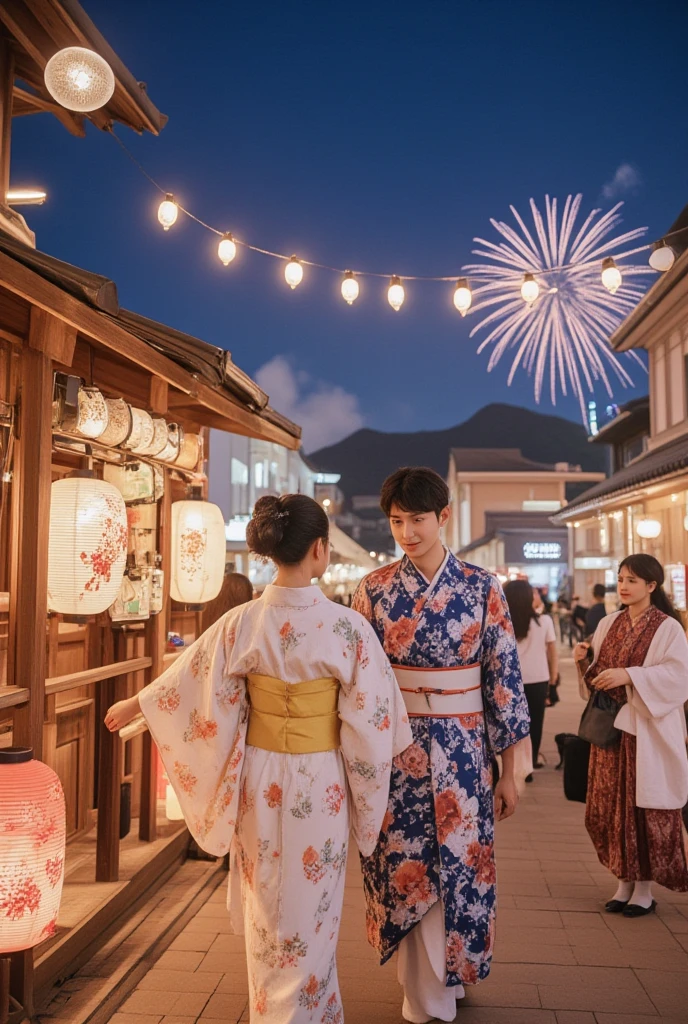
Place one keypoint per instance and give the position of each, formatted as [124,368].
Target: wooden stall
[60,324]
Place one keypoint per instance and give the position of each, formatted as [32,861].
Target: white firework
[564,335]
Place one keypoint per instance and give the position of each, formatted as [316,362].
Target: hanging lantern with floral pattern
[32,849]
[87,549]
[198,551]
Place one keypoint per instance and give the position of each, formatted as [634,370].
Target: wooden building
[57,677]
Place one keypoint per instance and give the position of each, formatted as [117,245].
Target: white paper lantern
[87,549]
[648,529]
[119,422]
[94,415]
[79,79]
[142,431]
[32,849]
[198,551]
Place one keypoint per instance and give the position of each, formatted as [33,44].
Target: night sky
[374,135]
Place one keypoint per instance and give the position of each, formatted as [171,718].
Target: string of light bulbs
[662,258]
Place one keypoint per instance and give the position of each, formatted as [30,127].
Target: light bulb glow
[611,276]
[349,288]
[293,273]
[79,79]
[530,289]
[227,249]
[396,294]
[168,212]
[662,257]
[25,197]
[463,297]
[648,529]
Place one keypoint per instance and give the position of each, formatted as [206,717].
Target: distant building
[643,505]
[519,545]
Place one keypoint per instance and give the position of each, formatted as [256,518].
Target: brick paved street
[559,959]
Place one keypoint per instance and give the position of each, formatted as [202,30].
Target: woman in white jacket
[637,788]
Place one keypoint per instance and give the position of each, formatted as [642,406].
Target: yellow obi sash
[293,718]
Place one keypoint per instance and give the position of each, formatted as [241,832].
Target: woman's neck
[295,576]
[635,610]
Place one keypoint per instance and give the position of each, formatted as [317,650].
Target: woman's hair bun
[284,528]
[265,532]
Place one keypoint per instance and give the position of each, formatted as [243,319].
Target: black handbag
[553,693]
[597,722]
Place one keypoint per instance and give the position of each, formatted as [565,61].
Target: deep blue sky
[369,134]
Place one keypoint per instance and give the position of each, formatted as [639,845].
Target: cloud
[626,181]
[326,412]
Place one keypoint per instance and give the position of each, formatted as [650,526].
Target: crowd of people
[294,721]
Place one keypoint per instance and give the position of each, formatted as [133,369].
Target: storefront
[522,545]
[103,422]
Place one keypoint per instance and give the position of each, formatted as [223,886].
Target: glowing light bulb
[611,276]
[662,257]
[396,294]
[79,79]
[462,296]
[530,289]
[227,249]
[168,211]
[293,273]
[349,288]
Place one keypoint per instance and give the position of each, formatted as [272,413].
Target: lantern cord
[538,272]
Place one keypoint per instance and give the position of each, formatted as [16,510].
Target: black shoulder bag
[597,722]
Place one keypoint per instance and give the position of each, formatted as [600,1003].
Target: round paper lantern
[159,438]
[32,849]
[93,415]
[648,529]
[190,452]
[79,79]
[87,550]
[175,440]
[198,551]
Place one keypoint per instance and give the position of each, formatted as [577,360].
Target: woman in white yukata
[277,729]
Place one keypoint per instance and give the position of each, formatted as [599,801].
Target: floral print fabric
[437,835]
[286,816]
[636,844]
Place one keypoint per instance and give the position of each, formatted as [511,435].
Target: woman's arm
[552,662]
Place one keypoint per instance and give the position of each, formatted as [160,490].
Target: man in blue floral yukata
[445,626]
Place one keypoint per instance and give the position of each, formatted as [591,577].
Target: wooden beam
[25,102]
[29,595]
[89,676]
[158,401]
[51,336]
[10,696]
[229,414]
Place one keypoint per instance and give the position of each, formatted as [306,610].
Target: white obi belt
[441,692]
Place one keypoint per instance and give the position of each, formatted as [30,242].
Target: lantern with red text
[32,849]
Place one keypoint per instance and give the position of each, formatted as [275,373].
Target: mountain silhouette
[366,457]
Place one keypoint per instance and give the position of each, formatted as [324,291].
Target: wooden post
[31,518]
[109,788]
[157,636]
[21,980]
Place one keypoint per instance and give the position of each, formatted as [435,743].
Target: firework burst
[563,337]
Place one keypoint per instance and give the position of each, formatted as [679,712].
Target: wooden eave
[189,396]
[38,29]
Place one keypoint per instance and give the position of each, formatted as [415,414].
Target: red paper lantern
[32,849]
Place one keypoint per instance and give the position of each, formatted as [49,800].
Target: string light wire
[443,279]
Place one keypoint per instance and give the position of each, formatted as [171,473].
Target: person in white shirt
[537,652]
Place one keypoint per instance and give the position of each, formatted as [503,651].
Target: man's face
[416,532]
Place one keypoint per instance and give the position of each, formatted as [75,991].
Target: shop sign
[549,551]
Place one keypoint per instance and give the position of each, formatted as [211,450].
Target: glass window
[239,472]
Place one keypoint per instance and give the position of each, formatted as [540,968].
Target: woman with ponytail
[637,787]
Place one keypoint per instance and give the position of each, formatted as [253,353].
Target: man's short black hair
[599,590]
[414,489]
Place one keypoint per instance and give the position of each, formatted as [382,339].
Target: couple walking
[283,728]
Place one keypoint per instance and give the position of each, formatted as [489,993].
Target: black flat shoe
[615,906]
[529,778]
[635,910]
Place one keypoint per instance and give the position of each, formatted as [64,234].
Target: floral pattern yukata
[634,843]
[286,816]
[437,837]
